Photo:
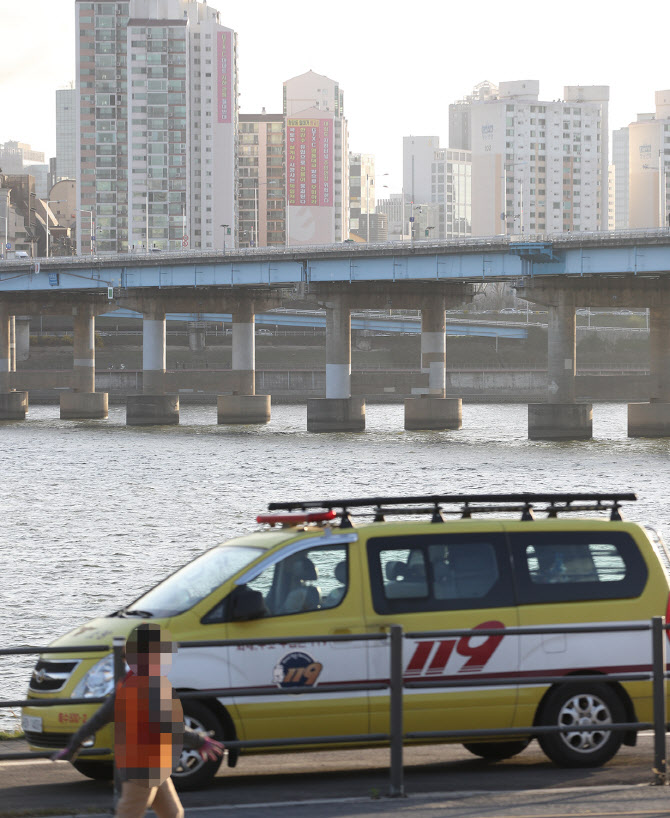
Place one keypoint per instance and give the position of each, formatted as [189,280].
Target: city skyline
[387,97]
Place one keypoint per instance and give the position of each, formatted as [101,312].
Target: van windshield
[195,581]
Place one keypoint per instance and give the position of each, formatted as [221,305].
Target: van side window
[311,580]
[561,567]
[439,572]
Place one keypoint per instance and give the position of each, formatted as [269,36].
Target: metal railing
[302,252]
[396,684]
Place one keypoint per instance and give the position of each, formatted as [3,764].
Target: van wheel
[192,772]
[497,750]
[575,704]
[97,770]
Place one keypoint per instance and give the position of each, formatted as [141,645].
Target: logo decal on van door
[296,669]
[430,658]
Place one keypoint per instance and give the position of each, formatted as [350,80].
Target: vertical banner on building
[224,75]
[309,171]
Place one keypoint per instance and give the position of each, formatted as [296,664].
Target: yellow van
[454,562]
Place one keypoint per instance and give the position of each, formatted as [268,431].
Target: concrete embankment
[376,385]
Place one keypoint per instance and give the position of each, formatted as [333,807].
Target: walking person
[149,729]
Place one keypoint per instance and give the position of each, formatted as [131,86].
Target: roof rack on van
[528,503]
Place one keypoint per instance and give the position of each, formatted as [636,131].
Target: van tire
[574,704]
[496,750]
[97,770]
[192,772]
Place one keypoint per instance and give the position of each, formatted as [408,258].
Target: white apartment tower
[156,124]
[317,161]
[649,167]
[436,176]
[540,167]
[66,134]
[620,178]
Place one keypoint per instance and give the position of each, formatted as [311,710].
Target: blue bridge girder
[645,252]
[373,323]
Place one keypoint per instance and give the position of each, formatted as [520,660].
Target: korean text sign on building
[309,170]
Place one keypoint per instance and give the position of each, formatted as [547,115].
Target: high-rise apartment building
[362,194]
[317,166]
[649,167]
[418,153]
[451,189]
[460,125]
[620,181]
[540,166]
[66,134]
[441,177]
[156,124]
[261,170]
[397,216]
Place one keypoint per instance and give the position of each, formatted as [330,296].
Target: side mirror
[246,604]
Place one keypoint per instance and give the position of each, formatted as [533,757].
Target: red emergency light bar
[297,518]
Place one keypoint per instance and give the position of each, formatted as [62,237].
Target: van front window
[195,581]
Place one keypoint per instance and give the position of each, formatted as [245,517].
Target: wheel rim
[190,761]
[585,708]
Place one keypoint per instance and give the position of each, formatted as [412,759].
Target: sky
[398,64]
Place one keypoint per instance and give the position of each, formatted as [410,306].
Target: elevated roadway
[496,258]
[562,272]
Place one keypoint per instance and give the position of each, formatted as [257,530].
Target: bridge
[561,272]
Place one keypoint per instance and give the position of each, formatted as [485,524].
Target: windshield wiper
[136,612]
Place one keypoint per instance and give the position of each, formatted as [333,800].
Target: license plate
[32,724]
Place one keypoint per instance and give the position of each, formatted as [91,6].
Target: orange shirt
[149,725]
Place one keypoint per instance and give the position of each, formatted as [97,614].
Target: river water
[92,513]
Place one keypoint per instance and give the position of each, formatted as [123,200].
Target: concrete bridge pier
[22,335]
[653,419]
[561,418]
[338,411]
[244,405]
[433,410]
[13,404]
[12,343]
[83,401]
[153,407]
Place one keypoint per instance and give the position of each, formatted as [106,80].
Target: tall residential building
[540,166]
[397,216]
[156,124]
[261,170]
[317,166]
[362,195]
[460,125]
[649,167]
[620,180]
[417,161]
[66,134]
[441,177]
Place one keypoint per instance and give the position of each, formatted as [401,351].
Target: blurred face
[158,659]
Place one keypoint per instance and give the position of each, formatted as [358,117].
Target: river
[93,512]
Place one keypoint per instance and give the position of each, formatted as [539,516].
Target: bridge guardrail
[396,684]
[346,248]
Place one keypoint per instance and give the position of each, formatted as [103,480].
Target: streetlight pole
[225,228]
[50,201]
[4,249]
[90,213]
[367,205]
[504,211]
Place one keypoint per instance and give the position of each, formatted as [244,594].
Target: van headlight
[99,681]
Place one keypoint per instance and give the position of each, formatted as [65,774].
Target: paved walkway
[578,802]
